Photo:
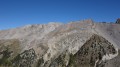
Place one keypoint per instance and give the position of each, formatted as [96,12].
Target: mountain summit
[76,44]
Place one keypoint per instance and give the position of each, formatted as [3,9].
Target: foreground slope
[76,44]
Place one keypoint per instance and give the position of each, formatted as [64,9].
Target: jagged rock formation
[76,44]
[25,59]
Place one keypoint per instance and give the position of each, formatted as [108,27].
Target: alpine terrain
[76,44]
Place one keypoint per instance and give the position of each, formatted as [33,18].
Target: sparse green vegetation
[4,61]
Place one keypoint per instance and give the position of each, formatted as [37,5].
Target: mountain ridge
[59,45]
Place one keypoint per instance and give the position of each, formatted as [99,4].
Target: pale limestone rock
[49,41]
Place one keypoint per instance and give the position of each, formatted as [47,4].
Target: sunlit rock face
[76,44]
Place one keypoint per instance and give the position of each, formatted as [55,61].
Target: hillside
[76,44]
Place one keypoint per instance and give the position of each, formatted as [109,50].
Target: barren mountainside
[76,44]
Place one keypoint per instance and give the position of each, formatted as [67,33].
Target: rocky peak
[118,21]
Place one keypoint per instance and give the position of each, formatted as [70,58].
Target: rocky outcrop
[76,44]
[25,59]
[113,62]
[118,21]
[91,54]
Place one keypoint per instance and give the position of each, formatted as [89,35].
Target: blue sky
[16,13]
